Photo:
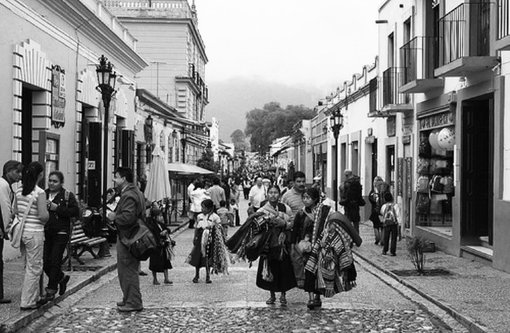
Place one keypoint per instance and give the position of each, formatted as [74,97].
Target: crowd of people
[293,230]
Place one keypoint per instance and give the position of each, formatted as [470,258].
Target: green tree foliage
[272,121]
[207,161]
[239,140]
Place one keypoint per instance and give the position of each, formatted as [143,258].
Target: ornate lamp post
[106,78]
[337,123]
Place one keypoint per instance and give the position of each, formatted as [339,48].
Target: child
[160,259]
[234,209]
[208,244]
[389,218]
[225,218]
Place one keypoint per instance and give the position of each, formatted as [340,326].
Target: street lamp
[337,123]
[106,78]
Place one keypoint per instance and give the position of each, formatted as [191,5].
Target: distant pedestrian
[375,199]
[130,208]
[390,217]
[209,249]
[226,218]
[62,207]
[246,188]
[234,207]
[257,195]
[197,196]
[30,200]
[10,176]
[217,193]
[352,198]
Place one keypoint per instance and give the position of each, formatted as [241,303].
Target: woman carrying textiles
[275,272]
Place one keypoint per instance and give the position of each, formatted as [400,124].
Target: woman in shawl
[330,265]
[209,249]
[159,261]
[275,272]
[308,226]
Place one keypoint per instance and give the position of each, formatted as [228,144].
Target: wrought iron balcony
[503,25]
[419,58]
[392,99]
[464,40]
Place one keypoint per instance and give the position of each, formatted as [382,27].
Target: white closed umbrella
[158,182]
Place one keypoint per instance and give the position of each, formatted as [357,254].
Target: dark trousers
[127,269]
[238,219]
[246,192]
[390,234]
[54,246]
[1,267]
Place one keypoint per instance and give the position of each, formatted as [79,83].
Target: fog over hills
[230,100]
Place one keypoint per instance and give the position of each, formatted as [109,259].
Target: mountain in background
[230,100]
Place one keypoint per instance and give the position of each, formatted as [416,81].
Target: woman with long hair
[275,272]
[31,198]
[376,199]
[62,206]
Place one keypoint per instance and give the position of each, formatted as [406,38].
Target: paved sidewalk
[12,319]
[475,294]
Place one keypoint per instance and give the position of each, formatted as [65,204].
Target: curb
[21,320]
[466,321]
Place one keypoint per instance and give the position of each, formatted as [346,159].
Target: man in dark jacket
[130,208]
[351,197]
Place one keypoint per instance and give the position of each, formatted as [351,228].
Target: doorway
[26,125]
[477,171]
[390,167]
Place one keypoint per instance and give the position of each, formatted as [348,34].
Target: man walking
[294,197]
[257,195]
[130,208]
[217,193]
[351,197]
[11,174]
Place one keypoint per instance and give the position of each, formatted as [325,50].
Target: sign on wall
[58,96]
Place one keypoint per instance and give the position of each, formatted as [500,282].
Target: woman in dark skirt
[159,261]
[275,272]
[376,198]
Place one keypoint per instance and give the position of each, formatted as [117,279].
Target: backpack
[92,225]
[390,216]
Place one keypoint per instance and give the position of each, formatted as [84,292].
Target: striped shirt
[32,223]
[294,200]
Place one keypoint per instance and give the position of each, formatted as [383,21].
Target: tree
[272,121]
[239,140]
[207,161]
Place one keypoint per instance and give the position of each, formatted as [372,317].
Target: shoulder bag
[18,225]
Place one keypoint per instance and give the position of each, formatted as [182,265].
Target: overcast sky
[318,43]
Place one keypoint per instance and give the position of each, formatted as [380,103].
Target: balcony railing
[419,57]
[503,18]
[392,80]
[464,32]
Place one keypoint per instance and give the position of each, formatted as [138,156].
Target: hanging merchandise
[433,140]
[446,138]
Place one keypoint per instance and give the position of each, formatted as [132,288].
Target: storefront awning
[183,169]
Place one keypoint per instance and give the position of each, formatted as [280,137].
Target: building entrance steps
[473,293]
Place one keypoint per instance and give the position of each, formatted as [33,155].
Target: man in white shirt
[257,194]
[11,174]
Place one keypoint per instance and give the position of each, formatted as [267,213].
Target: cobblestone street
[233,303]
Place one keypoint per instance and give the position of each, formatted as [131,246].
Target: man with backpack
[351,197]
[389,218]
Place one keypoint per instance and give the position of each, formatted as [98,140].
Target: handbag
[18,225]
[143,243]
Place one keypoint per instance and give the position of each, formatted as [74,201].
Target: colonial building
[168,37]
[52,112]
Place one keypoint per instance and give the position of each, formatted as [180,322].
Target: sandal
[311,304]
[271,300]
[208,280]
[195,279]
[283,300]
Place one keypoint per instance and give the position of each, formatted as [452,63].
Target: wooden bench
[80,243]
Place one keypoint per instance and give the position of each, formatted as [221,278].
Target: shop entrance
[477,171]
